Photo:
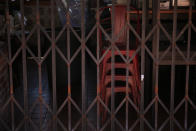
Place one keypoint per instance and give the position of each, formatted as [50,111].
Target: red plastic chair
[105,68]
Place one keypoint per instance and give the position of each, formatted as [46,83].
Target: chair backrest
[119,24]
[120,19]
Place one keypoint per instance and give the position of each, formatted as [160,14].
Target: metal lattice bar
[149,48]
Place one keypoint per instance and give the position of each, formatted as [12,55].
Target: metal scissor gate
[30,93]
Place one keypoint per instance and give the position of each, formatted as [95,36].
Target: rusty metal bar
[143,39]
[83,44]
[39,64]
[143,65]
[112,69]
[127,71]
[24,63]
[155,64]
[69,68]
[98,67]
[188,67]
[173,67]
[10,65]
[53,67]
[157,69]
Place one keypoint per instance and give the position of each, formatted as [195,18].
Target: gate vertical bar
[10,65]
[173,67]
[113,71]
[24,62]
[188,68]
[127,70]
[39,64]
[98,66]
[156,88]
[53,66]
[143,64]
[68,67]
[83,65]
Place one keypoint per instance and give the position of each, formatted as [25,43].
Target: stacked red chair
[133,68]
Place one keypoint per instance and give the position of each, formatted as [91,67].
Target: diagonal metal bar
[134,32]
[5,105]
[134,54]
[182,32]
[75,105]
[75,54]
[179,126]
[32,54]
[62,55]
[105,125]
[105,53]
[150,53]
[31,33]
[60,33]
[48,125]
[46,55]
[77,124]
[18,105]
[193,27]
[164,107]
[165,53]
[62,106]
[119,124]
[46,105]
[119,52]
[90,33]
[33,124]
[16,54]
[120,105]
[20,125]
[120,33]
[91,55]
[133,105]
[181,53]
[5,125]
[191,102]
[179,105]
[148,124]
[193,56]
[165,32]
[92,104]
[148,107]
[164,124]
[74,32]
[192,126]
[45,33]
[151,32]
[106,107]
[62,125]
[133,126]
[106,35]
[17,35]
[34,104]
[91,125]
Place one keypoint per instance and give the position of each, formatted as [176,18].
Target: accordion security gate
[142,50]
